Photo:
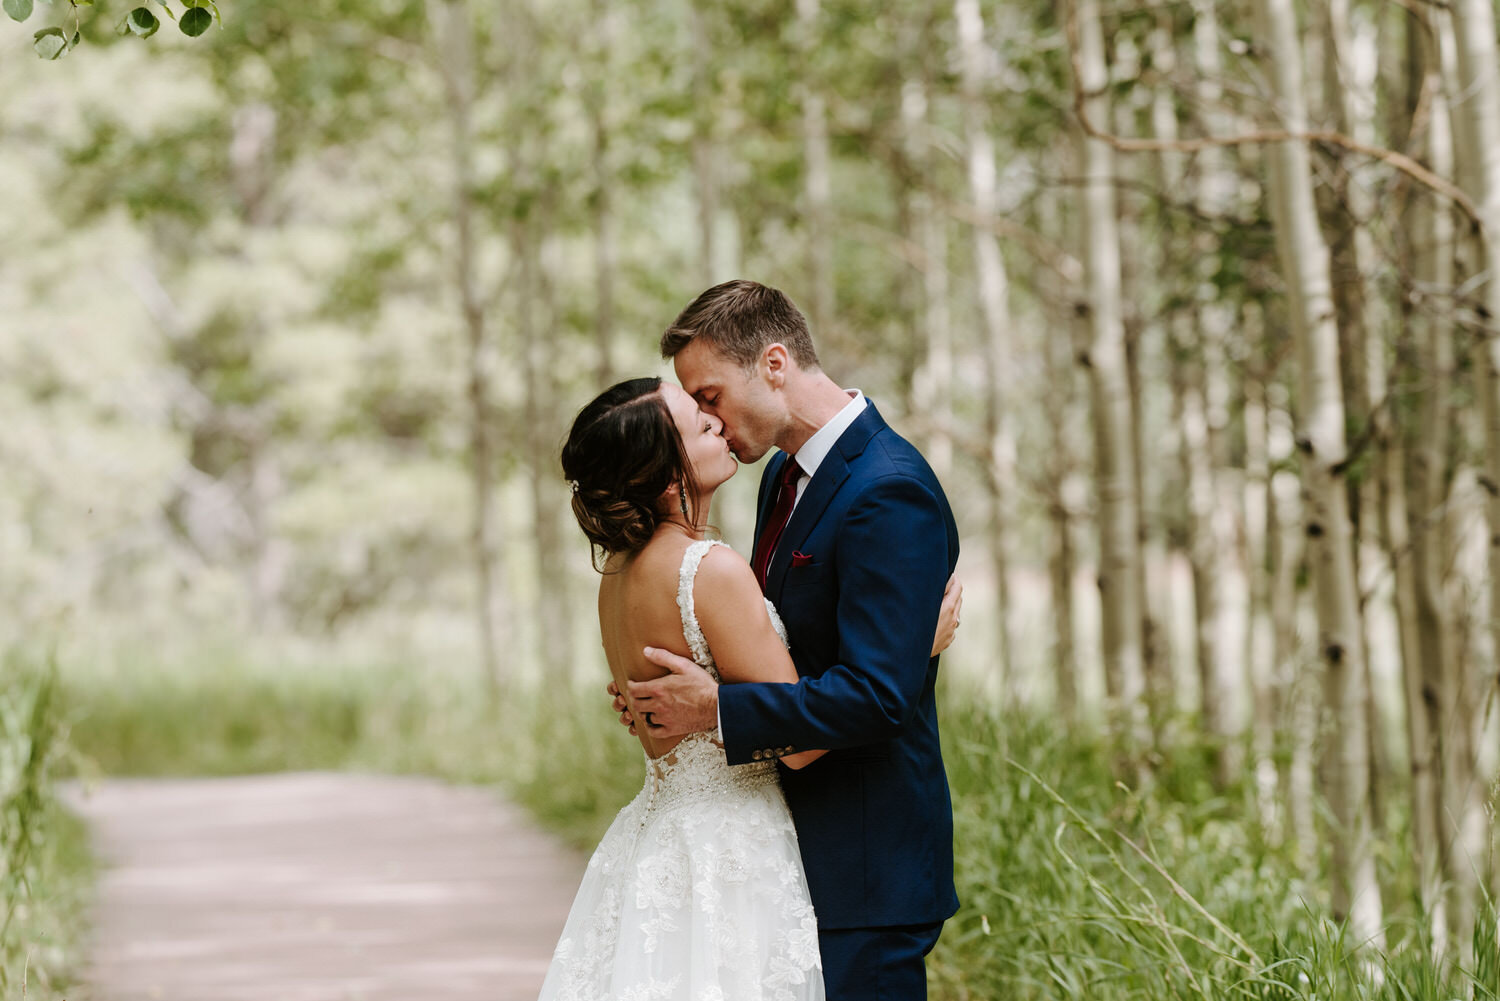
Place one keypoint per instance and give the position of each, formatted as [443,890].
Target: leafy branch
[56,41]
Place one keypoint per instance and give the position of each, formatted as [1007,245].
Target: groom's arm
[893,563]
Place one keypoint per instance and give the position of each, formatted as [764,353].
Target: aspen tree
[1114,447]
[1305,263]
[993,287]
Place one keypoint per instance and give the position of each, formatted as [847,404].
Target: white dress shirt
[813,451]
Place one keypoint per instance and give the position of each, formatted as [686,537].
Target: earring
[682,500]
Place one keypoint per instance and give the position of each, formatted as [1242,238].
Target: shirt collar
[813,451]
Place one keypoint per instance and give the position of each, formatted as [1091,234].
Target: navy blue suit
[858,577]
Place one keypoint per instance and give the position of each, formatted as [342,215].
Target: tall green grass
[1073,885]
[45,867]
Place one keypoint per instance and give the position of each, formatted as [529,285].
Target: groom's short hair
[739,318]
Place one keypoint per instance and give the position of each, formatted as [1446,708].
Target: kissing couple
[794,837]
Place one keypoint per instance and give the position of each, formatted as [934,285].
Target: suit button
[756,756]
[788,749]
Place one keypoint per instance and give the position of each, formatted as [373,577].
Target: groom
[854,543]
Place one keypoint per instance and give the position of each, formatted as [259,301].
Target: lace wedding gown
[697,891]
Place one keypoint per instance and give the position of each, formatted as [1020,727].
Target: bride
[697,891]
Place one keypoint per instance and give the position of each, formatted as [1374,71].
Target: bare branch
[1261,137]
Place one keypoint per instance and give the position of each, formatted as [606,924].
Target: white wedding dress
[697,891]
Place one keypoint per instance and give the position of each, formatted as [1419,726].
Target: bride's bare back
[637,609]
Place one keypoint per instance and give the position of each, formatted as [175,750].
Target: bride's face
[702,437]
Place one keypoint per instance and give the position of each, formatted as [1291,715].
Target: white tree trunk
[1063,556]
[1361,345]
[818,185]
[932,382]
[1206,552]
[1260,629]
[1114,445]
[1305,263]
[993,287]
[1430,330]
[705,178]
[1478,69]
[1299,699]
[1220,507]
[603,216]
[454,58]
[536,320]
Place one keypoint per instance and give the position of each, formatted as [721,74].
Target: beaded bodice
[696,767]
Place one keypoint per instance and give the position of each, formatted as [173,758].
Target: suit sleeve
[893,563]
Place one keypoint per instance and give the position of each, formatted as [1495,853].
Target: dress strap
[691,631]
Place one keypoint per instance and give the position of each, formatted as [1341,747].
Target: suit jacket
[858,577]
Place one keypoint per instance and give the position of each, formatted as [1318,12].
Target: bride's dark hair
[621,455]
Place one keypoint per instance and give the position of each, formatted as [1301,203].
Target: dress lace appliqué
[696,892]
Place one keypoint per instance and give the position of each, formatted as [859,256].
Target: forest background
[1189,303]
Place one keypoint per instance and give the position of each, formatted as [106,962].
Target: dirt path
[320,887]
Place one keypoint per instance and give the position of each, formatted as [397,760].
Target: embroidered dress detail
[696,892]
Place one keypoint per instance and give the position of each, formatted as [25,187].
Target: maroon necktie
[786,496]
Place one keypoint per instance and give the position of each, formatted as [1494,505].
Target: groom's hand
[953,603]
[685,701]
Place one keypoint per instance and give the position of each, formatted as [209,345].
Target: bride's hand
[625,718]
[953,603]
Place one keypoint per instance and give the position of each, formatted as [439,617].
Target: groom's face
[741,397]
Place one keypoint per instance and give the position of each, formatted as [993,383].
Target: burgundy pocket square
[801,559]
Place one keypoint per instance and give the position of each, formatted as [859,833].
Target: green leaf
[19,10]
[142,22]
[50,43]
[195,21]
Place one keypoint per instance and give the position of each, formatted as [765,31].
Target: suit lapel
[831,474]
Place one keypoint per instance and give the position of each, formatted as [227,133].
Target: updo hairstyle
[621,455]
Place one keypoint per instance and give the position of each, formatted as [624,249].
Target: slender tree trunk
[1304,255]
[1153,572]
[597,107]
[818,185]
[1205,552]
[1218,508]
[932,382]
[455,62]
[252,159]
[1260,630]
[1157,556]
[1299,702]
[547,489]
[1295,700]
[1063,559]
[536,324]
[1478,69]
[1114,444]
[1361,348]
[1429,334]
[993,287]
[705,177]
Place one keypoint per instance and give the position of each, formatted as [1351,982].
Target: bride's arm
[732,614]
